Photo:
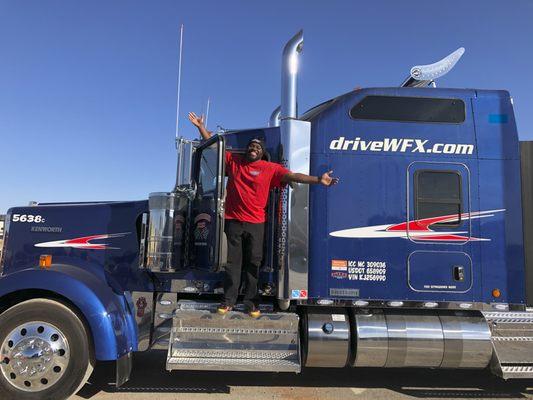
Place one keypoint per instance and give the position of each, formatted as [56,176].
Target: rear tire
[45,353]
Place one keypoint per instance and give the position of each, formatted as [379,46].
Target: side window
[207,179]
[438,193]
[207,219]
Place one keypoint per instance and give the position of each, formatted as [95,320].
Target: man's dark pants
[245,251]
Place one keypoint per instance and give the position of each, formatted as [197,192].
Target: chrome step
[232,364]
[200,339]
[512,342]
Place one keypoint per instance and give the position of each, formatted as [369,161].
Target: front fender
[108,314]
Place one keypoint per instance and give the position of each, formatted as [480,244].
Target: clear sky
[88,88]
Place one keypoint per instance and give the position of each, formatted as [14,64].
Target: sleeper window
[438,193]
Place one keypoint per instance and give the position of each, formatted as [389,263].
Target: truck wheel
[44,351]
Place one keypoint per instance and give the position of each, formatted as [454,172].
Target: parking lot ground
[151,381]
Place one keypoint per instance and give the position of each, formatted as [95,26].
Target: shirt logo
[254,172]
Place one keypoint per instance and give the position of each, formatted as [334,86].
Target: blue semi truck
[420,257]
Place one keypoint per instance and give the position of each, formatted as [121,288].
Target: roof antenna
[207,111]
[179,86]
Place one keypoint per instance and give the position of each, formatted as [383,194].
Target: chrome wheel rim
[34,356]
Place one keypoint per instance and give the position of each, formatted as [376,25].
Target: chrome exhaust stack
[275,117]
[295,135]
[289,75]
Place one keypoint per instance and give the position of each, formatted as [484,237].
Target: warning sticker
[338,317]
[339,265]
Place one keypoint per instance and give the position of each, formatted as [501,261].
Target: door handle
[459,273]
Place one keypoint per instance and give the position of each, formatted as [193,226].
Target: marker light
[496,293]
[45,261]
[395,303]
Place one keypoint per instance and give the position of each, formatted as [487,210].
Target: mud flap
[123,369]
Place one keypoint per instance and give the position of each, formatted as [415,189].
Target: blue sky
[88,89]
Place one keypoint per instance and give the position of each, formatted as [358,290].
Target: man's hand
[327,180]
[196,120]
[199,123]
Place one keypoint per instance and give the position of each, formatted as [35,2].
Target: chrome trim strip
[410,304]
[143,241]
[293,251]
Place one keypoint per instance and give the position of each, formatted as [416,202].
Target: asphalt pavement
[151,381]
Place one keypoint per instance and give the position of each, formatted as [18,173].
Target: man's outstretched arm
[326,179]
[199,123]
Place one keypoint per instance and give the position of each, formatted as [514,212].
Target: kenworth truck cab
[419,257]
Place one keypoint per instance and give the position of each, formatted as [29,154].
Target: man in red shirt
[250,179]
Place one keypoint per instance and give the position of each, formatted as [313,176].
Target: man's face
[254,152]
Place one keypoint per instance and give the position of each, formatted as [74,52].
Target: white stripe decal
[417,230]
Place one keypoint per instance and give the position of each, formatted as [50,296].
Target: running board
[201,339]
[512,342]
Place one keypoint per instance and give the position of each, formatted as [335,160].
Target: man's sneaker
[254,312]
[224,309]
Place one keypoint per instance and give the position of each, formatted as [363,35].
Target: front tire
[45,352]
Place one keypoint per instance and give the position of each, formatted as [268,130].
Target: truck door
[439,227]
[207,214]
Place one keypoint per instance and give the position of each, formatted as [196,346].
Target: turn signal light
[45,261]
[496,293]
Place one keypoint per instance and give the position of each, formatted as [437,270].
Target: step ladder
[200,339]
[512,342]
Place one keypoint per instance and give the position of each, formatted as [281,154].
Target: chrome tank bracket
[293,245]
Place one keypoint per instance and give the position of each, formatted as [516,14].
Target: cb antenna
[207,111]
[179,85]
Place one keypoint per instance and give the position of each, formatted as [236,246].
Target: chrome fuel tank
[451,339]
[393,339]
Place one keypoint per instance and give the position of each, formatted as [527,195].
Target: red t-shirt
[248,186]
